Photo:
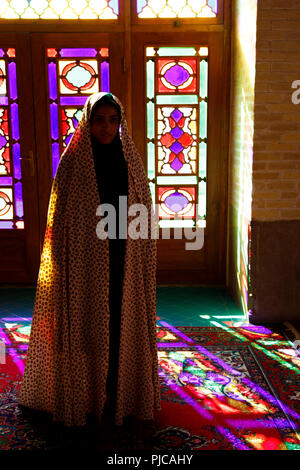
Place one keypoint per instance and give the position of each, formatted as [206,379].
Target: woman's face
[105,124]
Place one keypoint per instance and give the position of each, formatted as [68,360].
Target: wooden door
[176,264]
[40,144]
[19,221]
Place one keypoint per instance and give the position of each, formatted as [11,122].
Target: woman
[86,281]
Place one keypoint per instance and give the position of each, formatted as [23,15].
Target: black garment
[112,179]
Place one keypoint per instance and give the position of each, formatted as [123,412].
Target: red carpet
[221,389]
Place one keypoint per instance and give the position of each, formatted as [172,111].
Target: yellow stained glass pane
[177,8]
[203,51]
[59,9]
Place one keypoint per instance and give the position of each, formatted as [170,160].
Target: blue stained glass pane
[151,160]
[177,99]
[203,78]
[214,5]
[114,4]
[80,52]
[54,121]
[5,181]
[73,100]
[5,224]
[19,200]
[104,76]
[2,53]
[150,79]
[3,100]
[150,120]
[12,80]
[202,159]
[17,161]
[202,199]
[14,121]
[55,158]
[140,4]
[52,81]
[203,120]
[176,51]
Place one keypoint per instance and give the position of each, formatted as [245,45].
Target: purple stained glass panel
[2,53]
[54,121]
[105,76]
[176,202]
[176,132]
[3,100]
[177,147]
[3,141]
[55,157]
[176,115]
[12,76]
[52,81]
[81,52]
[69,137]
[17,161]
[14,121]
[73,100]
[6,181]
[19,200]
[176,164]
[176,75]
[6,224]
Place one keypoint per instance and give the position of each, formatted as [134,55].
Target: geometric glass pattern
[60,9]
[177,8]
[11,195]
[176,97]
[73,75]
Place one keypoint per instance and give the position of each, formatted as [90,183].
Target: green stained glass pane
[176,51]
[151,160]
[202,159]
[152,191]
[203,78]
[64,9]
[177,99]
[150,79]
[202,199]
[169,180]
[175,223]
[203,120]
[150,120]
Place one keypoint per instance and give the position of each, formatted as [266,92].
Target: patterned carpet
[222,388]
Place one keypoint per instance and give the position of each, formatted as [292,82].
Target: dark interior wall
[275,271]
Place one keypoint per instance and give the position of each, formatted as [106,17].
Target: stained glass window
[177,8]
[11,197]
[62,9]
[177,92]
[73,75]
